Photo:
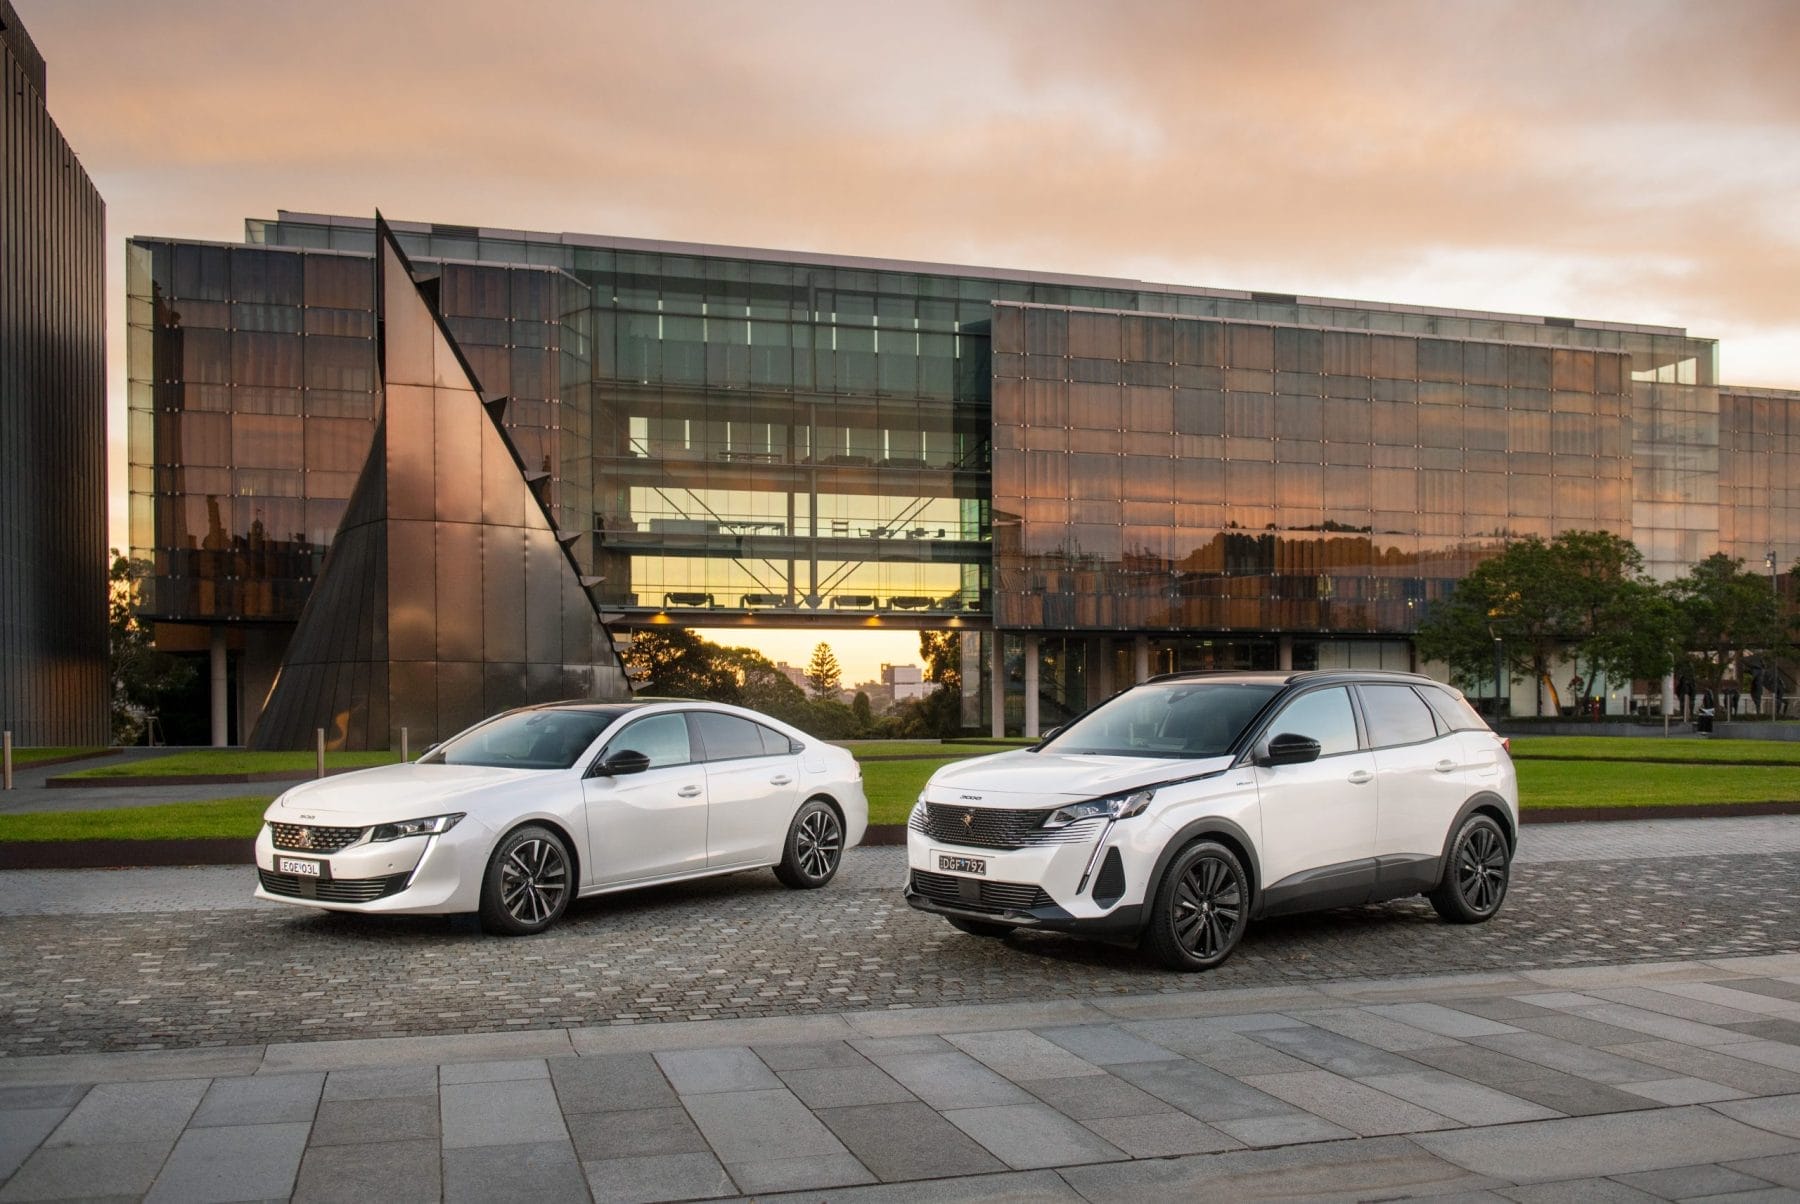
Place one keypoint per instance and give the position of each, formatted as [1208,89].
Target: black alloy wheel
[528,883]
[815,846]
[1202,907]
[1475,881]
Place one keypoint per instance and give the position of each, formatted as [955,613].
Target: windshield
[526,740]
[1167,719]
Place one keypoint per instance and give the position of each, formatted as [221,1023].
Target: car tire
[1475,880]
[814,847]
[1201,908]
[528,884]
[980,927]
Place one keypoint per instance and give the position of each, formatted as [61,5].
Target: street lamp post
[1498,660]
[1770,685]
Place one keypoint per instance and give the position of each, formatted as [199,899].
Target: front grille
[975,894]
[994,828]
[333,890]
[305,838]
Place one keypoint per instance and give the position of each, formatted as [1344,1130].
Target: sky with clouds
[1626,160]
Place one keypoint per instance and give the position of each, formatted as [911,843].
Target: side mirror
[1289,749]
[625,761]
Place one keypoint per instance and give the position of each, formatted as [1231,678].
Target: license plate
[962,865]
[293,865]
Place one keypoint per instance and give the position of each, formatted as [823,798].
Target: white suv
[1175,812]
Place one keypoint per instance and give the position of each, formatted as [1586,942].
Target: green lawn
[1546,784]
[32,756]
[199,761]
[866,750]
[1658,749]
[172,821]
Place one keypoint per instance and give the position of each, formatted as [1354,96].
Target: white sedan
[527,810]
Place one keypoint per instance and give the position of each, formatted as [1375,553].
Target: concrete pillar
[1286,663]
[1031,687]
[997,691]
[221,694]
[1140,658]
[1104,686]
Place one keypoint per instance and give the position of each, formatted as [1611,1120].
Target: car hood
[409,791]
[1028,779]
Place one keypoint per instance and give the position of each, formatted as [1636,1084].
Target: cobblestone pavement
[743,947]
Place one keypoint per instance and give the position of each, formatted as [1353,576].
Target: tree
[674,662]
[864,713]
[1640,633]
[939,713]
[822,672]
[1728,613]
[763,687]
[141,675]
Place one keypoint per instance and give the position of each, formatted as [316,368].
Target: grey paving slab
[1783,1169]
[394,1172]
[844,1086]
[21,1131]
[1655,1024]
[1687,1182]
[1578,1191]
[1588,978]
[1445,1021]
[1380,1032]
[818,1056]
[1669,1004]
[1346,1102]
[1583,1146]
[493,1072]
[380,1082]
[1296,1128]
[1017,1187]
[1384,1167]
[1725,995]
[1106,1044]
[359,1121]
[44,1095]
[1681,1090]
[1035,1014]
[1414,987]
[950,1080]
[1714,1065]
[1578,1028]
[1769,1053]
[600,1135]
[1570,1058]
[1030,1136]
[1457,1098]
[1230,1001]
[112,1113]
[1780,1114]
[707,1034]
[1786,1031]
[1766,1195]
[1089,1097]
[1487,1066]
[1333,1052]
[610,1083]
[1165,1135]
[530,1173]
[1499,1007]
[1573,1096]
[1202,1092]
[645,1178]
[259,1099]
[1778,987]
[416,1051]
[917,1043]
[753,1126]
[517,1111]
[799,1174]
[695,1071]
[1254,1022]
[1017,1054]
[907,1141]
[1232,1053]
[88,1172]
[231,1162]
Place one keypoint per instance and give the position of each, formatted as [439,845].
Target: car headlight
[416,827]
[1117,806]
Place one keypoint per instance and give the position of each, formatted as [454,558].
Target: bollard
[321,738]
[6,756]
[403,749]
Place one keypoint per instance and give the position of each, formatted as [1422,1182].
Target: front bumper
[432,875]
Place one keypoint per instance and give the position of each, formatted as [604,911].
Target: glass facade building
[1091,478]
[54,686]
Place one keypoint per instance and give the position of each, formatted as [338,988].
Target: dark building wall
[53,670]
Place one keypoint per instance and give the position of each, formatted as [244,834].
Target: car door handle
[689,792]
[1444,766]
[780,779]
[1360,777]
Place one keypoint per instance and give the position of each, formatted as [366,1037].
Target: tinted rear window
[1454,710]
[726,737]
[1396,715]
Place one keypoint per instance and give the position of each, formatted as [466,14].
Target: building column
[997,688]
[221,694]
[1103,687]
[1140,658]
[1286,653]
[1031,687]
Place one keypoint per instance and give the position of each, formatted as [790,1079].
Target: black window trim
[628,722]
[1279,705]
[699,741]
[1436,734]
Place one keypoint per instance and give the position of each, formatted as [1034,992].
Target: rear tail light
[1506,745]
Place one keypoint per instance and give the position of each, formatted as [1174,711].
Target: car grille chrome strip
[1094,857]
[310,838]
[333,890]
[996,828]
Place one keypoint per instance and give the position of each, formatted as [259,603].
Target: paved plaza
[1629,1029]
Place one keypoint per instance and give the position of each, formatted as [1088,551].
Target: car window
[526,740]
[1323,715]
[726,737]
[774,742]
[1454,710]
[1166,719]
[1396,715]
[662,738]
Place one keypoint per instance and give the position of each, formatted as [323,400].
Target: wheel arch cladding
[1217,829]
[562,834]
[1485,803]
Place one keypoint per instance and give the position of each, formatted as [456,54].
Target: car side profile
[518,815]
[1181,809]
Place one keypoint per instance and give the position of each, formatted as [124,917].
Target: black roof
[1279,677]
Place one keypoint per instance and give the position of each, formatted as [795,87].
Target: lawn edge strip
[1529,756]
[70,782]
